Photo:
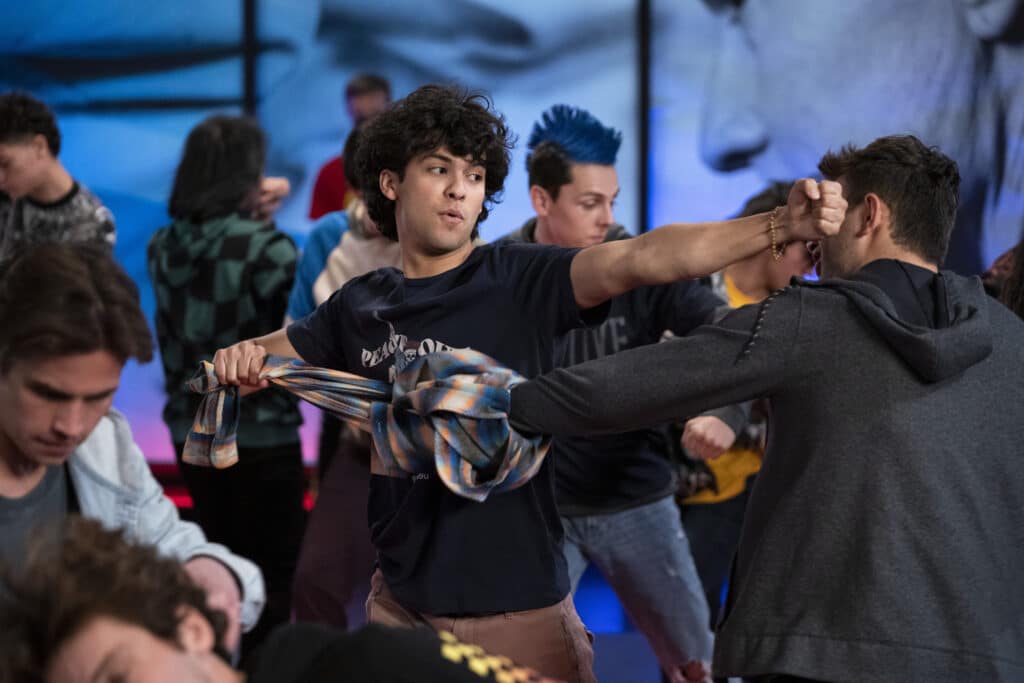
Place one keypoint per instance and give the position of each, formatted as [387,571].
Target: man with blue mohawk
[615,493]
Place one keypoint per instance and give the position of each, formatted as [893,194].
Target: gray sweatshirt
[884,539]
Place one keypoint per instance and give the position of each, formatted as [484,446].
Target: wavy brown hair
[82,572]
[58,299]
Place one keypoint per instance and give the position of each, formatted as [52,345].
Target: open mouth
[453,215]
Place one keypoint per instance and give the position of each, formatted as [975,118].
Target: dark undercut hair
[58,299]
[920,185]
[23,116]
[427,119]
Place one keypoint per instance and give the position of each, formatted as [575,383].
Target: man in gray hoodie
[885,535]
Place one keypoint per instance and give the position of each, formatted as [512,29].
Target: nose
[456,186]
[607,215]
[70,421]
[731,133]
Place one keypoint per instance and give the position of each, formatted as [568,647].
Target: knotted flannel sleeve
[446,412]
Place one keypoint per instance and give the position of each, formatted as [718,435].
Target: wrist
[779,231]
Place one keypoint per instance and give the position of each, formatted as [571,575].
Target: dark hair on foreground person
[59,299]
[426,120]
[88,573]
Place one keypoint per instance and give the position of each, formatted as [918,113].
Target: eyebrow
[448,159]
[44,389]
[598,195]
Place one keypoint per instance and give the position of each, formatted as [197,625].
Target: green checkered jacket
[218,283]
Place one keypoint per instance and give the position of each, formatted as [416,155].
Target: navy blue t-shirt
[439,553]
[602,474]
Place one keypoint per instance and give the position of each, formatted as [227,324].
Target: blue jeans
[643,554]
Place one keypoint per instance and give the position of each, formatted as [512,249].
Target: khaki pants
[552,640]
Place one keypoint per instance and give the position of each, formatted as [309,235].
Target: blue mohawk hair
[584,139]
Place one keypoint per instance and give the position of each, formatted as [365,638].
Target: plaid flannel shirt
[446,412]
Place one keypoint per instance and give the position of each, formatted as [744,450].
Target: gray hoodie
[884,539]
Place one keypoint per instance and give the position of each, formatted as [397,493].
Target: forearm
[638,388]
[718,365]
[673,252]
[685,251]
[276,343]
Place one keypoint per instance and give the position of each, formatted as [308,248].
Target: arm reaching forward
[746,356]
[684,251]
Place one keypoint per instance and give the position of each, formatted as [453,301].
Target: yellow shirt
[733,467]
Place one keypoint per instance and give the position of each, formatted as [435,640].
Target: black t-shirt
[440,553]
[602,474]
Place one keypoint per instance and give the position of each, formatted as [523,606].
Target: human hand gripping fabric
[446,413]
[240,365]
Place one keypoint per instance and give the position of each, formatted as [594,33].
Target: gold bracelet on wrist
[777,249]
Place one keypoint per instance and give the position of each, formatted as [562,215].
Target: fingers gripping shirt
[446,412]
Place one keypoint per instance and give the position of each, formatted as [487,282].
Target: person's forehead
[593,178]
[86,373]
[12,148]
[443,152]
[368,102]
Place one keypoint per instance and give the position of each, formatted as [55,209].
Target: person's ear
[40,146]
[541,200]
[994,19]
[195,633]
[389,181]
[876,215]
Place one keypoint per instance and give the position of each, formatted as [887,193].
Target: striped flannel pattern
[447,412]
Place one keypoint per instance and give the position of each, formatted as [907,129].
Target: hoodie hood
[180,246]
[961,338]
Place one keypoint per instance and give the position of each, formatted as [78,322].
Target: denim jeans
[643,554]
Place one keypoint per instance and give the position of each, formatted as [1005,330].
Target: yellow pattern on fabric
[485,665]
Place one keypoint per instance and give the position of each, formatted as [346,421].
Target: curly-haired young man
[492,572]
[39,200]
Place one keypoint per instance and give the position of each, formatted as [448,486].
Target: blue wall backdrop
[746,92]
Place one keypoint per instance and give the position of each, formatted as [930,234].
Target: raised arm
[683,251]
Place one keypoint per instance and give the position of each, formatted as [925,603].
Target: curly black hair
[920,184]
[82,572]
[22,116]
[427,119]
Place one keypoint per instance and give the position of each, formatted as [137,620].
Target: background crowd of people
[654,493]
